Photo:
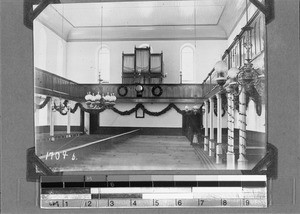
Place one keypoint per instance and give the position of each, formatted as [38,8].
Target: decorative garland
[253,94]
[236,103]
[154,91]
[208,106]
[224,102]
[216,108]
[127,112]
[43,104]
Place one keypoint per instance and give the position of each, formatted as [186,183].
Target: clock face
[139,88]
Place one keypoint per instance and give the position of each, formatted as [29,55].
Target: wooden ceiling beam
[267,9]
[29,14]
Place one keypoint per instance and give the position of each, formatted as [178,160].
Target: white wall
[50,50]
[82,58]
[75,117]
[171,119]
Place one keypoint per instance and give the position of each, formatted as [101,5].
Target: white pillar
[219,130]
[211,131]
[230,151]
[69,124]
[52,120]
[206,126]
[87,123]
[37,117]
[242,161]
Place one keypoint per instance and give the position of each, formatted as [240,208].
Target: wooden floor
[141,152]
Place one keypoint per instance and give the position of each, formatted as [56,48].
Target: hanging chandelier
[97,101]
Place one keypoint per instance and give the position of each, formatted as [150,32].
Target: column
[69,124]
[211,129]
[206,126]
[219,130]
[86,123]
[230,150]
[242,161]
[52,120]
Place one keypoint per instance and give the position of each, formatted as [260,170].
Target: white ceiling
[143,20]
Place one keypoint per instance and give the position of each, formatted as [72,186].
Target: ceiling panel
[199,19]
[143,13]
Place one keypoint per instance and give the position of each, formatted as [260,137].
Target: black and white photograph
[165,85]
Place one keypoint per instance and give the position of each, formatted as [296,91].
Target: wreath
[157,91]
[122,91]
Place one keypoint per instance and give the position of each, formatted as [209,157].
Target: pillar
[211,129]
[206,126]
[230,150]
[219,130]
[86,123]
[69,124]
[242,161]
[52,120]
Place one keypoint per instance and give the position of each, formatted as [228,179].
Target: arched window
[104,64]
[187,63]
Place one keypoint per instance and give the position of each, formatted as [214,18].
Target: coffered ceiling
[143,20]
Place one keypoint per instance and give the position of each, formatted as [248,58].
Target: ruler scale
[130,191]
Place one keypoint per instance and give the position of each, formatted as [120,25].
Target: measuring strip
[59,192]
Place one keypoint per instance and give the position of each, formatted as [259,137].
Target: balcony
[53,85]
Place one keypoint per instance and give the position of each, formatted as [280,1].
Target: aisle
[141,152]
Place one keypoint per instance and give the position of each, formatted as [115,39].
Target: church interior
[165,85]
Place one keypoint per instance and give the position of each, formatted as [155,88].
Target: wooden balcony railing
[53,85]
[235,55]
[169,91]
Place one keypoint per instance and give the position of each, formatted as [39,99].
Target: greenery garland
[154,91]
[129,112]
[123,113]
[43,104]
[124,93]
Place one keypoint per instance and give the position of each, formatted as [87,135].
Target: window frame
[192,47]
[99,50]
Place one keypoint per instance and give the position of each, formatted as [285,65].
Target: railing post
[219,130]
[211,134]
[230,149]
[242,161]
[206,126]
[69,124]
[52,120]
[87,123]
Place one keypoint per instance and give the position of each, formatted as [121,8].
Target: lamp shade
[221,66]
[233,72]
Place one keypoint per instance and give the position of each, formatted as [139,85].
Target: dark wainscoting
[143,130]
[46,129]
